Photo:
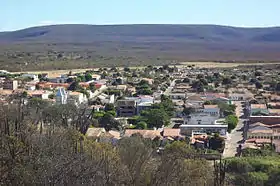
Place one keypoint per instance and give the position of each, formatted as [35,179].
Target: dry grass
[56,73]
[221,65]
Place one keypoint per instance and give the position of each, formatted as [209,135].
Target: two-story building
[126,107]
[10,84]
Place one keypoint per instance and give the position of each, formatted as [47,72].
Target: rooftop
[171,132]
[211,106]
[258,106]
[145,133]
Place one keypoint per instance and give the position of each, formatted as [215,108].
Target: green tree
[74,86]
[109,107]
[186,80]
[70,80]
[216,84]
[51,96]
[274,178]
[81,78]
[258,73]
[155,118]
[88,77]
[217,143]
[141,125]
[207,103]
[226,81]
[252,178]
[92,87]
[232,121]
[188,110]
[126,69]
[108,122]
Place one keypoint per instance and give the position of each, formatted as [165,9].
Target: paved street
[235,137]
[169,89]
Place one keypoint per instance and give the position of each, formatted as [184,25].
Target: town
[227,110]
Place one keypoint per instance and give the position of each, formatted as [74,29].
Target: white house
[76,98]
[4,72]
[96,77]
[31,76]
[240,96]
[212,110]
[203,123]
[177,95]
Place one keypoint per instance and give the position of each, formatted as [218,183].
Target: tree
[141,125]
[258,73]
[74,86]
[88,77]
[108,122]
[126,69]
[24,94]
[37,87]
[277,88]
[70,80]
[217,143]
[232,121]
[274,178]
[200,76]
[244,77]
[216,84]
[109,107]
[207,103]
[119,81]
[165,67]
[143,88]
[188,110]
[92,87]
[81,78]
[258,85]
[226,81]
[186,80]
[85,92]
[51,96]
[155,118]
[198,85]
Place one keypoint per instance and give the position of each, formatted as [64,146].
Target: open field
[56,73]
[224,65]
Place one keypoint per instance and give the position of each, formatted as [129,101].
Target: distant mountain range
[170,33]
[138,44]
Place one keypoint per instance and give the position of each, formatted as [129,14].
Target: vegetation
[143,88]
[60,153]
[48,48]
[232,122]
[43,143]
[159,115]
[255,171]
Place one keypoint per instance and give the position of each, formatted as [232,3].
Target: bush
[141,125]
[239,166]
[232,121]
[252,178]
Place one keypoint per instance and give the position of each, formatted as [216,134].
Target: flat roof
[204,126]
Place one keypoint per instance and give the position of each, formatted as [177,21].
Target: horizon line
[131,24]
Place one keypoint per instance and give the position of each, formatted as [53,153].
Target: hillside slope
[66,46]
[89,33]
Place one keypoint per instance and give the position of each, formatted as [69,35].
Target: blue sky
[18,14]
